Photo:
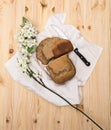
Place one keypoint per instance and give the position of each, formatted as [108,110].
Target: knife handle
[87,63]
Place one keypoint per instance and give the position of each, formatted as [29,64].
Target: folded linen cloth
[71,89]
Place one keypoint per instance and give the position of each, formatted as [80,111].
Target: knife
[76,50]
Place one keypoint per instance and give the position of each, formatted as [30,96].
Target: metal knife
[76,50]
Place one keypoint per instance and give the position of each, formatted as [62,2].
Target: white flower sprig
[27,43]
[27,39]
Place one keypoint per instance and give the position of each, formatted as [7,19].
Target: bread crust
[61,47]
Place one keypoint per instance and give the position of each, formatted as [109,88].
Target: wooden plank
[21,109]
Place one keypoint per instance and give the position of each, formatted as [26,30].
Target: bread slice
[44,50]
[61,69]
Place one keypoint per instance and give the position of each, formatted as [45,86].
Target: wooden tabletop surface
[21,109]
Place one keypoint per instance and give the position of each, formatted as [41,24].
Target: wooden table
[21,109]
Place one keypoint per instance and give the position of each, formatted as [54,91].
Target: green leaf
[24,20]
[31,49]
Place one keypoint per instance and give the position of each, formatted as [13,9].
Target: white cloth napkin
[71,90]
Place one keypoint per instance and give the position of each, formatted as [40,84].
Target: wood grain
[21,109]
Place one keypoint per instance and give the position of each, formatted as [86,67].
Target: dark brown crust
[62,47]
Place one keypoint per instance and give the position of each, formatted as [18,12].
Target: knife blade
[76,50]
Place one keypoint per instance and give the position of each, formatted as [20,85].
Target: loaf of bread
[53,52]
[51,48]
[61,69]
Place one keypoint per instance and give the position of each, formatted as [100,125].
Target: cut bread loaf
[53,52]
[61,69]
